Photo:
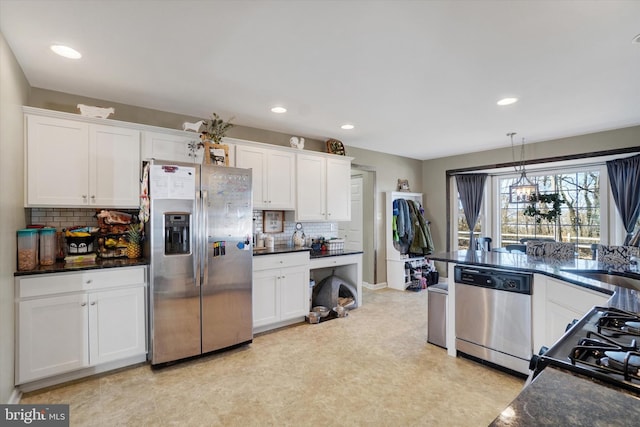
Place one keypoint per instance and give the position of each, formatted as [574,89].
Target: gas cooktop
[602,345]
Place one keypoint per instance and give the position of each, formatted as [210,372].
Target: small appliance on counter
[298,237]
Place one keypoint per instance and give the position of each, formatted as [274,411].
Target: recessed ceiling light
[66,51]
[507,101]
[347,126]
[636,39]
[278,110]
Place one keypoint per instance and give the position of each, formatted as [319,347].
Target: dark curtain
[624,179]
[471,190]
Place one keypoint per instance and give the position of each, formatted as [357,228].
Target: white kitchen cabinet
[280,290]
[77,163]
[273,176]
[556,304]
[79,323]
[323,188]
[170,147]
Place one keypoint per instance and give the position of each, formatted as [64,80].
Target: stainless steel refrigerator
[200,237]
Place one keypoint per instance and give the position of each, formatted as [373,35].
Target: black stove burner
[604,353]
[619,322]
[625,362]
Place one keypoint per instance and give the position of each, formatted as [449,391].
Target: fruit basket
[112,245]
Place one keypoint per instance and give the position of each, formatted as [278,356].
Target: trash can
[437,314]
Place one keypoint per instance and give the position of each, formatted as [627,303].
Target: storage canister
[27,249]
[47,246]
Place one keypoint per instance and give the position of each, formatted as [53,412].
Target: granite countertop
[559,398]
[283,249]
[562,269]
[61,267]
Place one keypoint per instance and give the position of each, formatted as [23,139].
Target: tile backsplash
[311,229]
[61,218]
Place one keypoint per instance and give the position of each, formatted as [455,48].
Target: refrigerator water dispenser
[176,233]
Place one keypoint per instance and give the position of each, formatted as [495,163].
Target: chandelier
[523,189]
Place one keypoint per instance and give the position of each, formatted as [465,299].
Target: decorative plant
[215,128]
[550,214]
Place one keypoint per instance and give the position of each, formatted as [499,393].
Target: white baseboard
[14,399]
[374,287]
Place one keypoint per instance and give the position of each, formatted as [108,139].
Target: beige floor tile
[371,368]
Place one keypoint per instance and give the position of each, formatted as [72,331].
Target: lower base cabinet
[280,290]
[71,321]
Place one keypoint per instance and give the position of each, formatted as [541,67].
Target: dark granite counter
[559,398]
[280,249]
[61,267]
[560,269]
[312,254]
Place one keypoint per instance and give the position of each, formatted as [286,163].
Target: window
[579,221]
[463,227]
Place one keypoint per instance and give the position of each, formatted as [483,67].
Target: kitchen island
[559,395]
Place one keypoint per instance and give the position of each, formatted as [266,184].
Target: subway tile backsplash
[311,229]
[61,218]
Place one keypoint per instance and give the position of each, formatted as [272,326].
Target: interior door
[352,231]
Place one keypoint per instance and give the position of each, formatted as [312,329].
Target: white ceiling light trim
[66,51]
[278,110]
[507,101]
[347,126]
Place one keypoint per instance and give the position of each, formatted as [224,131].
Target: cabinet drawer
[48,284]
[58,283]
[112,277]
[266,262]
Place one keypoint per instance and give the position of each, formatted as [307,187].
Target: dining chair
[516,248]
[483,243]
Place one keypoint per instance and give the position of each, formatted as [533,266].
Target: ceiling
[416,78]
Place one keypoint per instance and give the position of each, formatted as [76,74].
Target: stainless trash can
[437,314]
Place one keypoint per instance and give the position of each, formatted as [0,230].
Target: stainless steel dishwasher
[493,316]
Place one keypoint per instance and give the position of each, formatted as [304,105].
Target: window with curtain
[579,221]
[463,228]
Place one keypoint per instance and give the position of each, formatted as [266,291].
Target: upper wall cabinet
[77,163]
[273,176]
[324,190]
[170,147]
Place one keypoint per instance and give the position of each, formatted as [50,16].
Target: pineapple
[134,249]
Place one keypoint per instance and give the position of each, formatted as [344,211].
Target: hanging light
[523,189]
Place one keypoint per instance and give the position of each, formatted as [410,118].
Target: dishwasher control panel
[503,280]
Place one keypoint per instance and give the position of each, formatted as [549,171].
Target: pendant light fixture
[523,189]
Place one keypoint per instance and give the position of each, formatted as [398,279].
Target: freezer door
[227,273]
[175,294]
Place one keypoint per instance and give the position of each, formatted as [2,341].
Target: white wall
[14,91]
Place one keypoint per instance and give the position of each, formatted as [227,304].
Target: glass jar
[47,246]
[27,249]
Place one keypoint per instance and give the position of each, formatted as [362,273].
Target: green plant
[216,128]
[550,214]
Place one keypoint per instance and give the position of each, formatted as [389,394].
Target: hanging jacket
[422,242]
[401,224]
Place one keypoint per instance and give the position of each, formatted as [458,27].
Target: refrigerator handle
[204,223]
[195,233]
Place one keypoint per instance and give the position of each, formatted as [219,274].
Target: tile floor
[371,368]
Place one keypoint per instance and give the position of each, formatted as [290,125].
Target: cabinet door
[280,180]
[311,179]
[116,324]
[254,159]
[114,157]
[266,302]
[338,190]
[565,303]
[294,292]
[57,168]
[171,148]
[52,336]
